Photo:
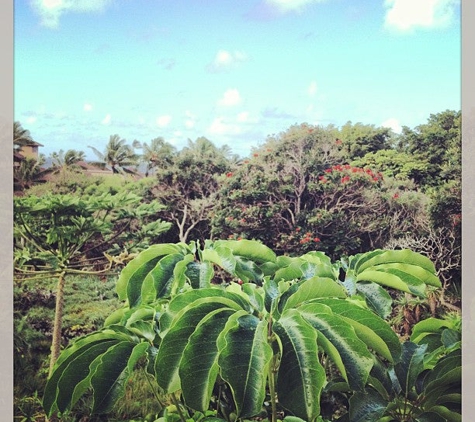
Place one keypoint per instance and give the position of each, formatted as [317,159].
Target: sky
[234,72]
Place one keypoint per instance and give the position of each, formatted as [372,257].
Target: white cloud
[50,11]
[190,120]
[30,120]
[243,116]
[87,107]
[220,127]
[225,60]
[163,121]
[285,6]
[393,124]
[405,15]
[107,120]
[230,98]
[312,89]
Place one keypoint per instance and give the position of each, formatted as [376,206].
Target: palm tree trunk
[58,322]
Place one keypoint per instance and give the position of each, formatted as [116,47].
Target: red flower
[255,155]
[328,170]
[316,239]
[396,196]
[345,179]
[229,174]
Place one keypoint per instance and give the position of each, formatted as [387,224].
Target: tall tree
[189,188]
[359,139]
[158,153]
[438,144]
[117,155]
[21,136]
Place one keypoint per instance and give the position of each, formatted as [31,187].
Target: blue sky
[232,71]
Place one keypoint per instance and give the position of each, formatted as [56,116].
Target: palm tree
[29,172]
[158,154]
[21,137]
[66,159]
[117,155]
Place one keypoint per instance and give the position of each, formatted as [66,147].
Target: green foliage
[358,139]
[266,337]
[424,385]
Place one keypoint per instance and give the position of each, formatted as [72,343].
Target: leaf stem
[178,408]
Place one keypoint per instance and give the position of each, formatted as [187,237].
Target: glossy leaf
[200,274]
[198,367]
[367,407]
[410,366]
[314,288]
[244,356]
[376,297]
[110,377]
[406,256]
[170,352]
[250,249]
[339,340]
[130,281]
[369,327]
[301,377]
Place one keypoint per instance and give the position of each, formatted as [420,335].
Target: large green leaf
[84,350]
[109,379]
[159,280]
[406,256]
[199,367]
[314,288]
[367,406]
[248,270]
[64,381]
[404,270]
[250,249]
[170,352]
[182,300]
[301,376]
[200,274]
[428,326]
[293,271]
[376,297]
[222,257]
[395,280]
[129,284]
[244,359]
[369,327]
[410,366]
[339,340]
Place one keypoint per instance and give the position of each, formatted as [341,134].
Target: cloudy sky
[232,71]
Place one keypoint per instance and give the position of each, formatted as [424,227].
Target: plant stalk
[58,321]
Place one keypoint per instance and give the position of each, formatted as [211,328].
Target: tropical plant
[424,385]
[117,155]
[29,172]
[21,137]
[51,233]
[158,153]
[260,334]
[62,160]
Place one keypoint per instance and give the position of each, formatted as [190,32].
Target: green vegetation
[283,252]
